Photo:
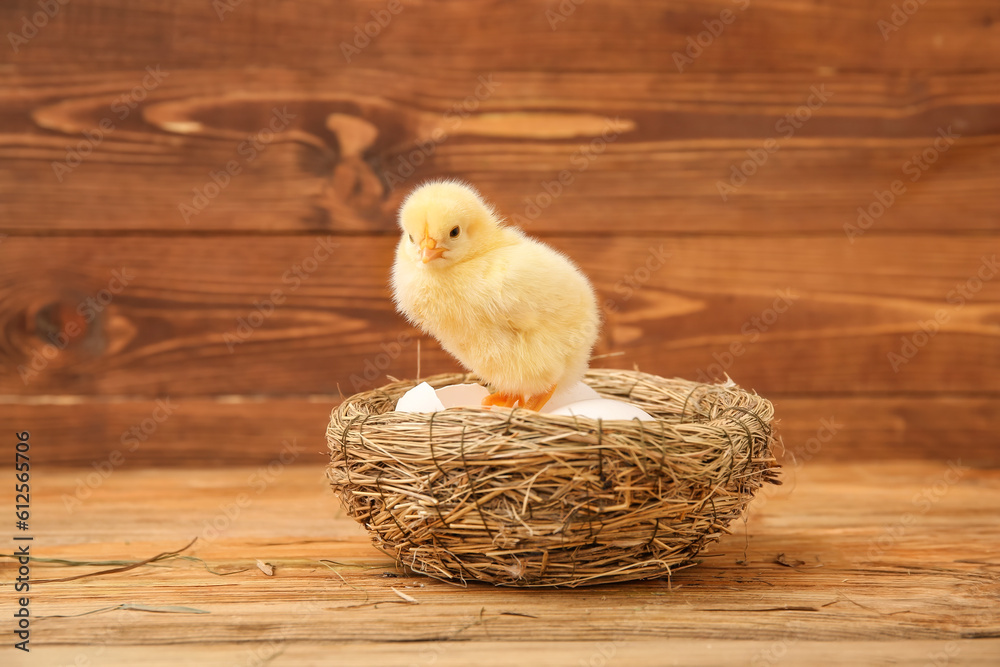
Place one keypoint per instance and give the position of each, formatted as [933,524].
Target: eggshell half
[419,399]
[574,393]
[462,395]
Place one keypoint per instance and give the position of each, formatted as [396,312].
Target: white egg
[419,399]
[603,408]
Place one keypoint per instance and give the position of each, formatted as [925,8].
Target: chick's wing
[539,290]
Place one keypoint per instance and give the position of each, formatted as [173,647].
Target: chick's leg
[501,399]
[538,400]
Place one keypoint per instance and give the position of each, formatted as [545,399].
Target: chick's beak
[429,250]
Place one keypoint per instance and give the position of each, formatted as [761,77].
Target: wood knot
[67,328]
[59,323]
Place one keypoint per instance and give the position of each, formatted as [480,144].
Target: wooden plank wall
[197,207]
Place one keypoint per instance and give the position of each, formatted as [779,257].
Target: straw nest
[517,498]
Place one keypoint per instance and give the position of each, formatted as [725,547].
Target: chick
[512,310]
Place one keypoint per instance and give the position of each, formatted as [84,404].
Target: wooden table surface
[862,563]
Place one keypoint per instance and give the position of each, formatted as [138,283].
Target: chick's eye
[455,231]
[410,236]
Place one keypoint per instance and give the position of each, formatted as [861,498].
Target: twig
[130,606]
[126,568]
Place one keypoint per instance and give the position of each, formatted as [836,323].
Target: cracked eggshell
[424,398]
[462,395]
[578,399]
[421,398]
[603,408]
[571,394]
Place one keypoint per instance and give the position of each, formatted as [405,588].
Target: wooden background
[225,69]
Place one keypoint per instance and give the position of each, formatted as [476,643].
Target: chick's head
[444,223]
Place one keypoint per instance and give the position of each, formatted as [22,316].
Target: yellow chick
[517,313]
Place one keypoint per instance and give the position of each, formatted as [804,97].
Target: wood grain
[814,564]
[768,35]
[186,324]
[487,653]
[355,141]
[166,101]
[91,433]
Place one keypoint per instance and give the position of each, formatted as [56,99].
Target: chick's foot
[538,400]
[501,399]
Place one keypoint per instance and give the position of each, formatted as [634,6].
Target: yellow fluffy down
[512,310]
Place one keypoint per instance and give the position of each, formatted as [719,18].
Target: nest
[518,498]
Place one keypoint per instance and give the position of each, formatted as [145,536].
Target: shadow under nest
[518,498]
